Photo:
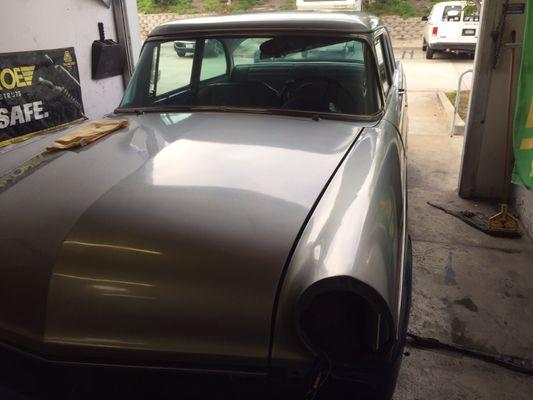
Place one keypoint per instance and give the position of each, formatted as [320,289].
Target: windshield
[316,74]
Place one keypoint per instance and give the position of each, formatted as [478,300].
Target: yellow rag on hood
[88,134]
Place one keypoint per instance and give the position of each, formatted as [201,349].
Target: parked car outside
[452,26]
[187,47]
[184,47]
[250,223]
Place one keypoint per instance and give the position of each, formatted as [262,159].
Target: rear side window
[214,62]
[382,63]
[471,14]
[248,52]
[452,13]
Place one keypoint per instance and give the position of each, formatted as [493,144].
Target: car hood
[168,237]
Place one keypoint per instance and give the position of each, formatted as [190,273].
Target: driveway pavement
[425,78]
[440,73]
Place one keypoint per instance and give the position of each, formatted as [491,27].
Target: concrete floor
[469,288]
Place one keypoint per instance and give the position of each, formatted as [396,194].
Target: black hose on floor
[516,364]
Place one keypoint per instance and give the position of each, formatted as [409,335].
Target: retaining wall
[399,28]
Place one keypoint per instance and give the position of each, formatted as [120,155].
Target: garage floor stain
[467,303]
[449,275]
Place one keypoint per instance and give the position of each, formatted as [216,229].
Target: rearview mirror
[281,46]
[424,18]
[453,13]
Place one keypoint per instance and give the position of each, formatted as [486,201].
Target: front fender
[357,232]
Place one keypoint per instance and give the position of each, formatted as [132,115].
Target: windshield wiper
[138,111]
[316,116]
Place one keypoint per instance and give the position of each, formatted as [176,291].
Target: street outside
[425,78]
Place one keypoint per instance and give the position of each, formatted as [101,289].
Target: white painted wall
[47,24]
[482,170]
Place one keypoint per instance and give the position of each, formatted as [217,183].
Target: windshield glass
[316,74]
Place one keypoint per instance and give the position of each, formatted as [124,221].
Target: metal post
[124,37]
[458,100]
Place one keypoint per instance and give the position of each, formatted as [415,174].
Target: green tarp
[523,123]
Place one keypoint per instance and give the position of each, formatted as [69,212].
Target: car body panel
[367,192]
[189,237]
[203,200]
[341,23]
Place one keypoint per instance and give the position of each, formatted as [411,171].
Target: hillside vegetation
[194,6]
[404,8]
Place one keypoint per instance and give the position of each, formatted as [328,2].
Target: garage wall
[523,203]
[482,170]
[484,156]
[46,24]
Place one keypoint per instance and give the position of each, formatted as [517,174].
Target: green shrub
[214,5]
[243,5]
[236,5]
[288,5]
[160,6]
[403,8]
[148,7]
[182,7]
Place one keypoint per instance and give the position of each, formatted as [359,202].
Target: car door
[393,82]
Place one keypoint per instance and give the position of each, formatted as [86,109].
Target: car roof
[348,22]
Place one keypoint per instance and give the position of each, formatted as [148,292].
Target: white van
[451,26]
[349,5]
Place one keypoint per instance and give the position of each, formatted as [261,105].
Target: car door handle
[401,91]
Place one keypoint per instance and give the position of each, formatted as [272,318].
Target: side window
[247,52]
[381,55]
[214,62]
[471,14]
[452,13]
[387,48]
[171,69]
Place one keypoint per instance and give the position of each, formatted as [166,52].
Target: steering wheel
[317,94]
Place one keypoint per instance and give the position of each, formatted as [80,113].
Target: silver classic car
[250,223]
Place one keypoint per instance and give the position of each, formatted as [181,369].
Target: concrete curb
[449,109]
